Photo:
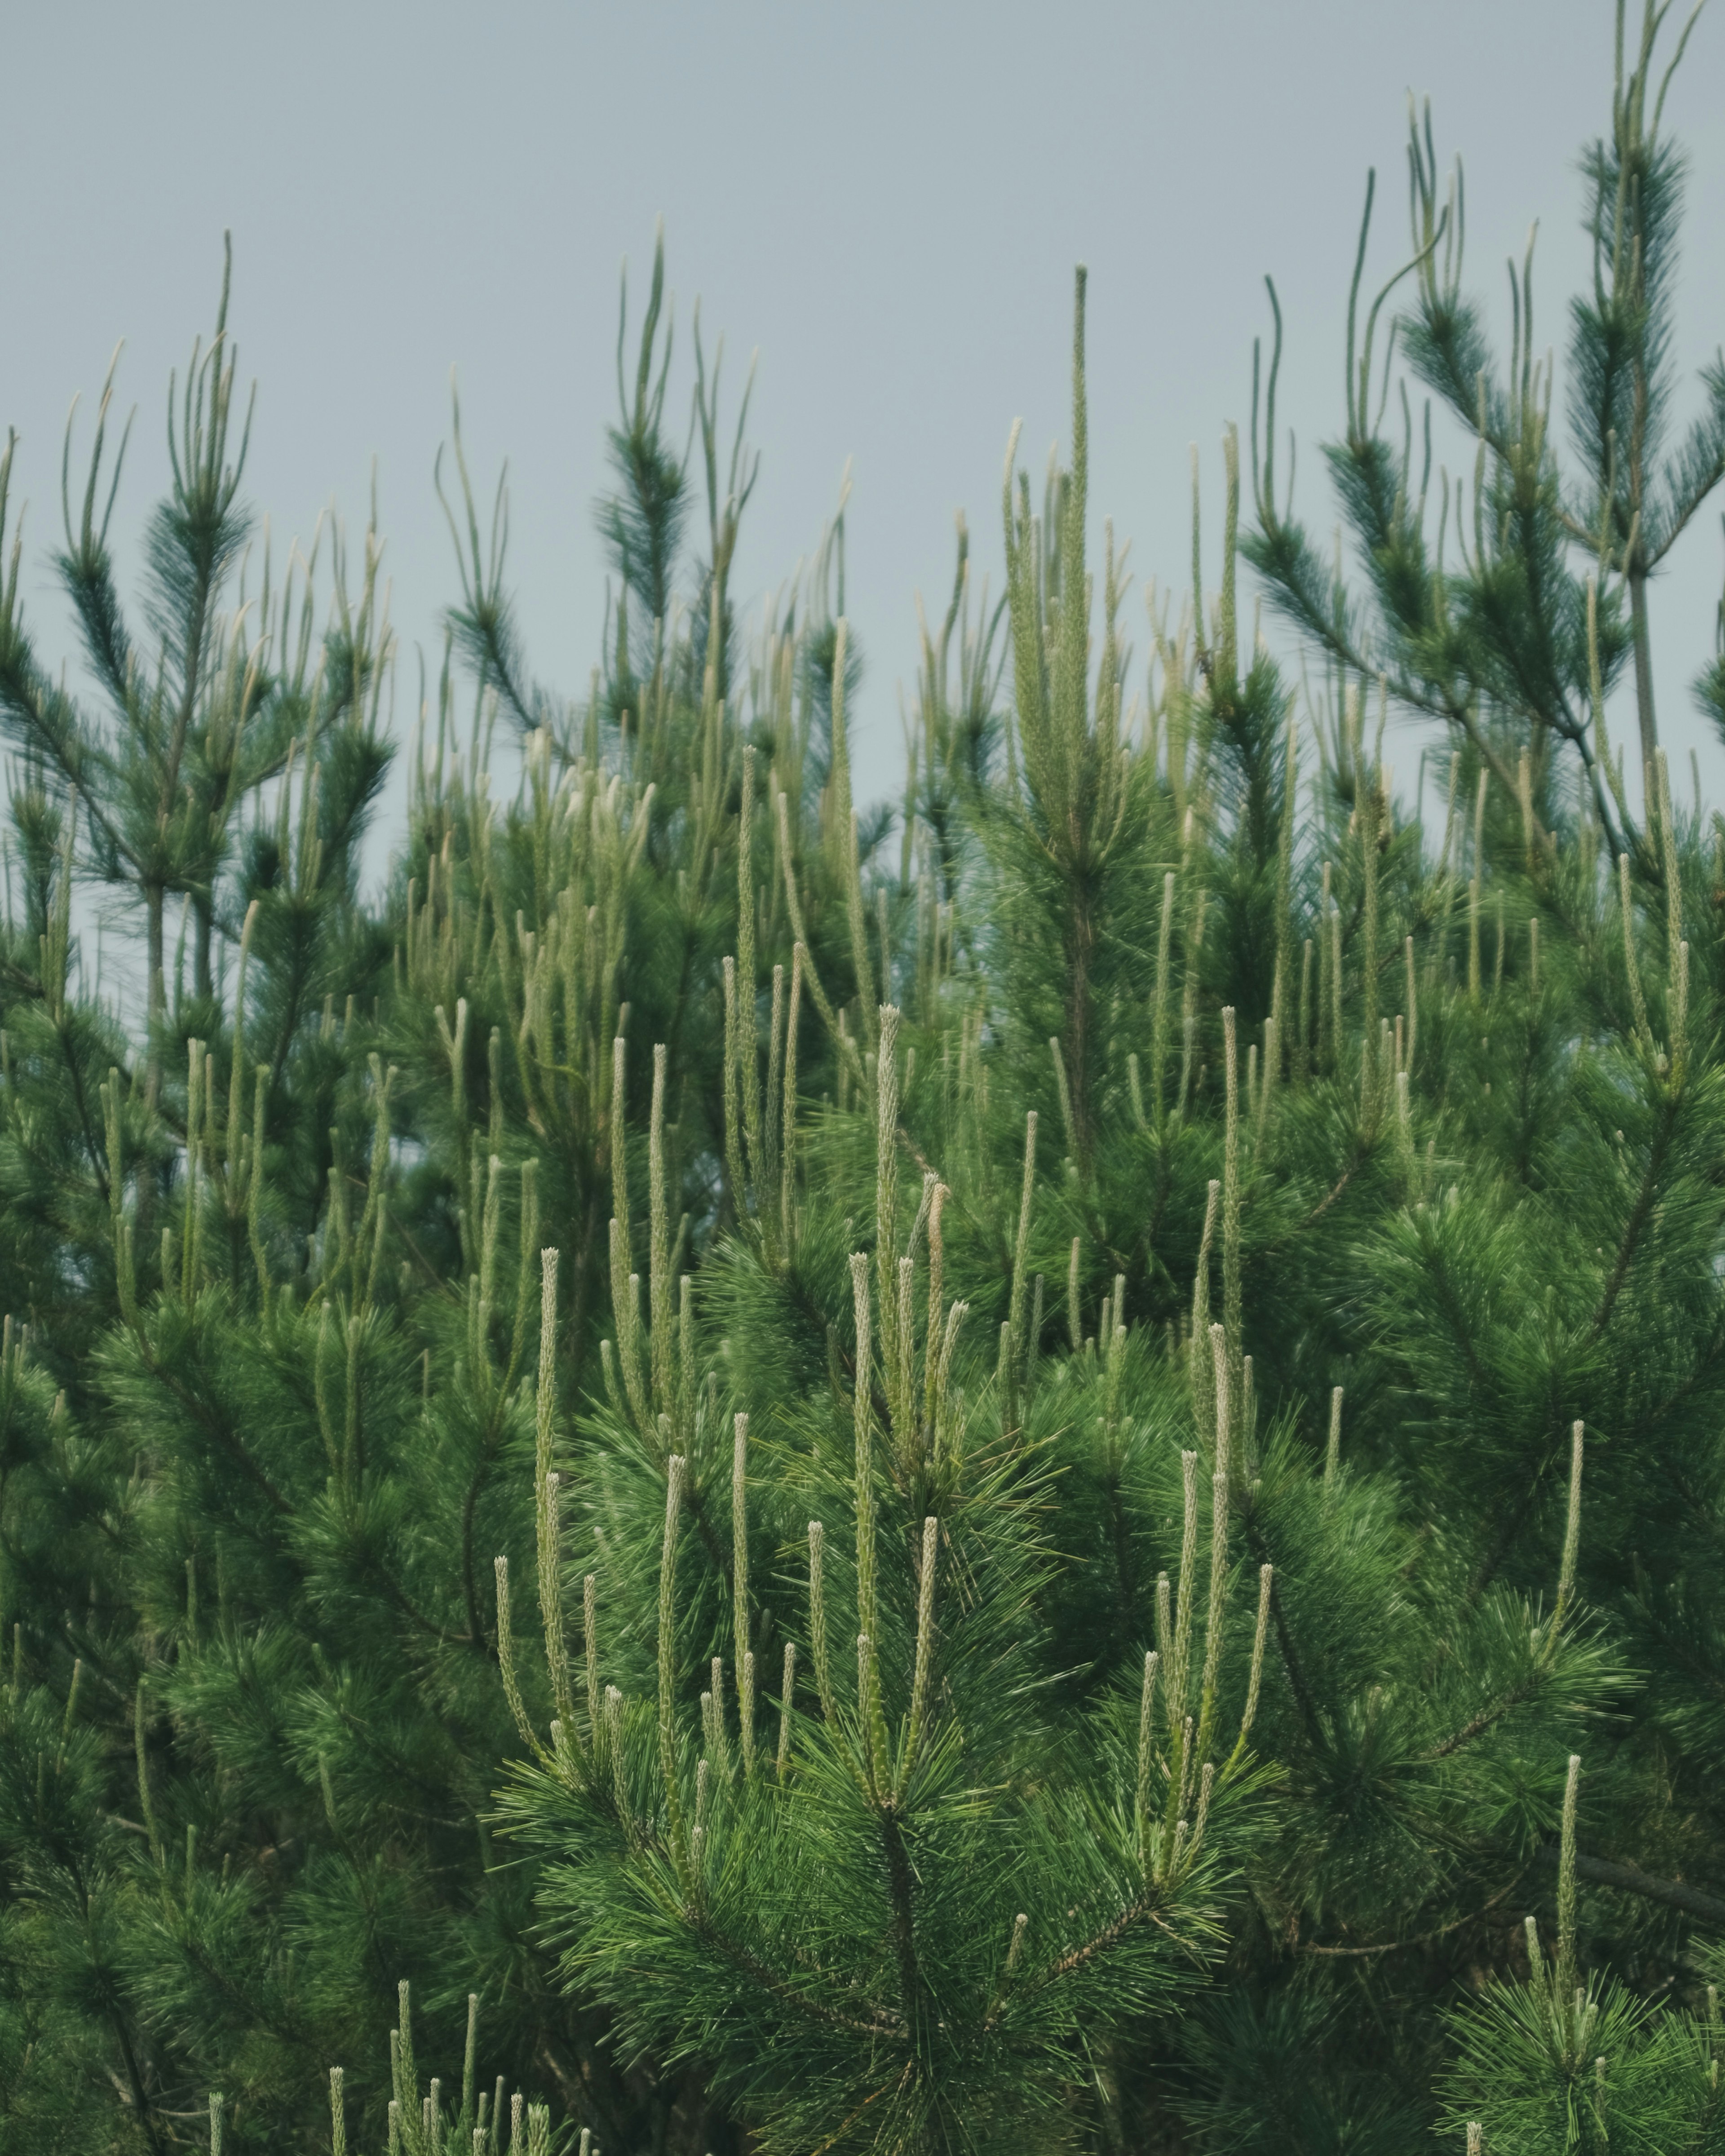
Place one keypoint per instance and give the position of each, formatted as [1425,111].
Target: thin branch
[1631,1879]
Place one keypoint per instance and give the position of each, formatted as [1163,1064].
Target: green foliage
[878,1480]
[1516,649]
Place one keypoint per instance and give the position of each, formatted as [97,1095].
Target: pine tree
[1058,1483]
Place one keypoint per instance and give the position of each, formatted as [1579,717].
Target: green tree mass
[1038,1469]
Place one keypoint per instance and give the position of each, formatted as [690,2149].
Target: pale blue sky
[887,201]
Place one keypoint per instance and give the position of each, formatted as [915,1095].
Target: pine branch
[1639,1214]
[1631,1879]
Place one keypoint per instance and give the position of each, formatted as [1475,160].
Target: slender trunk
[140,2104]
[203,978]
[1644,666]
[154,899]
[1080,950]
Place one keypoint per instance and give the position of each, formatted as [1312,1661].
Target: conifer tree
[1050,1475]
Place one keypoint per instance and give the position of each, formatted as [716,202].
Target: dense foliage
[1038,1469]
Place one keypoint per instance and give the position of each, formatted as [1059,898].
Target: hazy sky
[886,201]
